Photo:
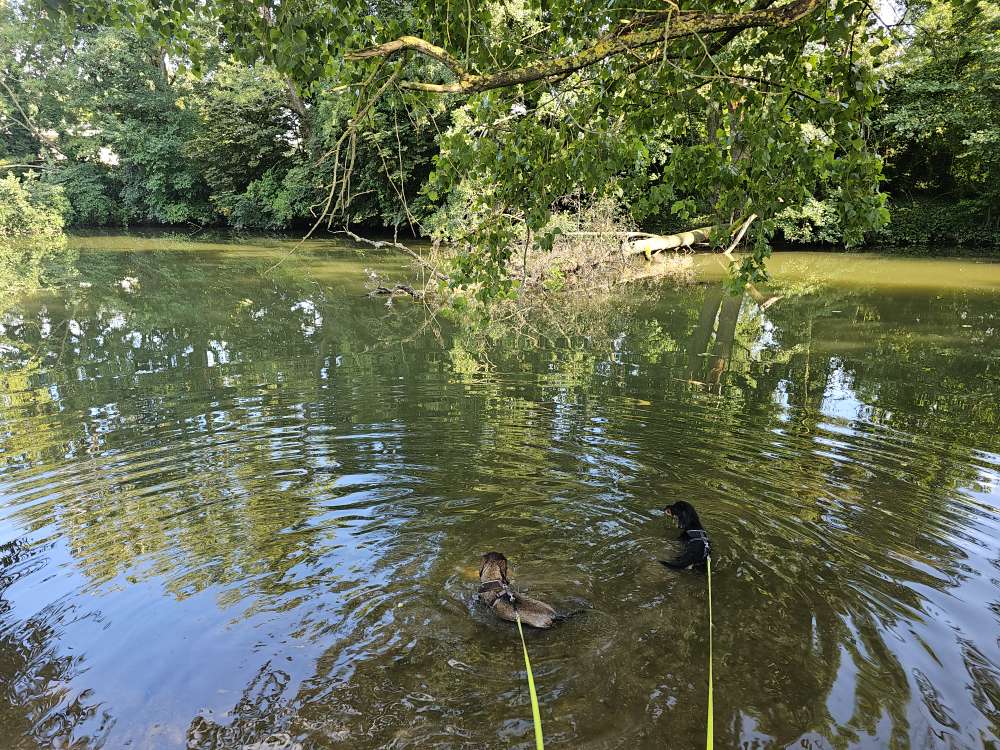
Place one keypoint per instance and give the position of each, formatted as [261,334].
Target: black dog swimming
[693,534]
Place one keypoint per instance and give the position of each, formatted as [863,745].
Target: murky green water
[242,509]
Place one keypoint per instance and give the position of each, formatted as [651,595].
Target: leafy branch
[652,29]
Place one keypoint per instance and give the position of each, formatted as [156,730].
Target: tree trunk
[298,106]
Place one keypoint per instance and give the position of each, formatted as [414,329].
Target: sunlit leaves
[32,243]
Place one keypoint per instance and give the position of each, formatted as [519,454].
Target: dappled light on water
[243,508]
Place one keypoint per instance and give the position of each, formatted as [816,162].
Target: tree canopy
[940,120]
[718,109]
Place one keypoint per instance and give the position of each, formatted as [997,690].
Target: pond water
[244,510]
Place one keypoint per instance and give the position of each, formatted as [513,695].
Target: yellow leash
[537,716]
[535,713]
[710,733]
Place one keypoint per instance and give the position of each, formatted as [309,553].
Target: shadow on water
[244,510]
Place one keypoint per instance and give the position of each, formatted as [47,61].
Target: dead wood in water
[656,242]
[739,235]
[601,249]
[380,244]
[395,291]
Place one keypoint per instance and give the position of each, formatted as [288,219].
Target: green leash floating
[535,713]
[710,732]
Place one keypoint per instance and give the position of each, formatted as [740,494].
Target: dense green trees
[941,120]
[134,138]
[937,129]
[476,124]
[248,141]
[107,126]
[940,124]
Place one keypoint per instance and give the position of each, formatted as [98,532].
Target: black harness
[699,535]
[505,591]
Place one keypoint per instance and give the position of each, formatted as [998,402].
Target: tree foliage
[32,244]
[476,125]
[941,117]
[720,108]
[246,118]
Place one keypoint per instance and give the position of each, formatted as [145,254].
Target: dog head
[493,567]
[684,512]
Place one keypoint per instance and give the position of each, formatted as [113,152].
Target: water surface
[242,509]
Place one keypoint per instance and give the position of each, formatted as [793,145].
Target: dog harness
[699,535]
[503,591]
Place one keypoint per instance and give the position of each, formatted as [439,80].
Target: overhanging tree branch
[28,124]
[652,28]
[411,44]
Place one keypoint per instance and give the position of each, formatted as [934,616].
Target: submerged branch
[398,289]
[378,244]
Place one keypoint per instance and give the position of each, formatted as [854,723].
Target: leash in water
[710,731]
[535,713]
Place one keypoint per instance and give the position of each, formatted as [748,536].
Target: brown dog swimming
[495,592]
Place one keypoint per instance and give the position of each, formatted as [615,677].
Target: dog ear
[503,570]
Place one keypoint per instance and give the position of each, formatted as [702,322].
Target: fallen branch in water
[627,235]
[379,244]
[656,242]
[739,234]
[398,290]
